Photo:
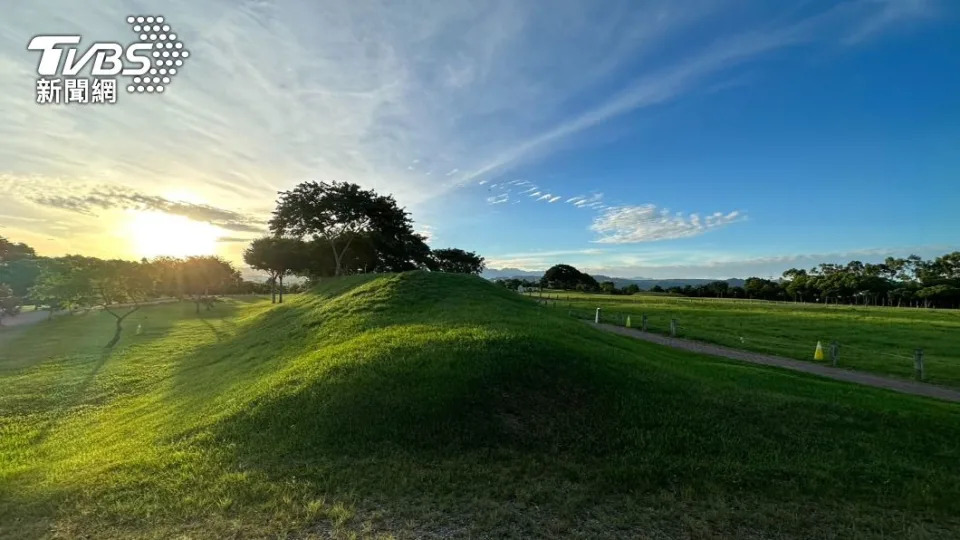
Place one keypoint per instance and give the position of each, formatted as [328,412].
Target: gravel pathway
[859,377]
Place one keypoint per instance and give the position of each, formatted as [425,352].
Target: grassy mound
[426,405]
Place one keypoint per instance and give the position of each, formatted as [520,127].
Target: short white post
[596,318]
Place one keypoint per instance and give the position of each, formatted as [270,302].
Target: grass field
[426,405]
[880,340]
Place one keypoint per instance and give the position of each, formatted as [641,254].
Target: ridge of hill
[438,405]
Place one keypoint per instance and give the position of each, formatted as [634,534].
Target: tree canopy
[342,215]
[564,276]
[279,257]
[457,261]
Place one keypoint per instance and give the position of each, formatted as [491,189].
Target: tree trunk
[119,329]
[281,288]
[273,290]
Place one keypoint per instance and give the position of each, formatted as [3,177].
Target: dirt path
[859,377]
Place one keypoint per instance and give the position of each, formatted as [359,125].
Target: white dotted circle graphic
[165,49]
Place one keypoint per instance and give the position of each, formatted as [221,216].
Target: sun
[154,234]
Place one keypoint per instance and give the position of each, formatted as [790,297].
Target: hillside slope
[435,405]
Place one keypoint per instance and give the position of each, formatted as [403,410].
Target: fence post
[643,322]
[596,318]
[918,364]
[834,352]
[673,328]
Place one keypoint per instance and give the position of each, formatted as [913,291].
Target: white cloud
[498,199]
[647,223]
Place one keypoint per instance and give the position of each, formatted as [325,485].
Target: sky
[659,139]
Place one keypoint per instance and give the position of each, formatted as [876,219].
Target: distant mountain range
[644,283]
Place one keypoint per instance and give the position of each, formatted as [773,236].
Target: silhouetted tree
[457,261]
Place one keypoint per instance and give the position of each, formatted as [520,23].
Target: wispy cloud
[647,223]
[89,199]
[892,13]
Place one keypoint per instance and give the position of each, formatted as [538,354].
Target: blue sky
[637,139]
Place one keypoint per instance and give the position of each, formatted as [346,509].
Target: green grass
[880,340]
[425,405]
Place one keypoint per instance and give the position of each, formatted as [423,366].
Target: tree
[342,214]
[608,287]
[564,276]
[632,288]
[14,252]
[167,273]
[279,256]
[206,276]
[120,285]
[9,304]
[63,283]
[21,274]
[457,261]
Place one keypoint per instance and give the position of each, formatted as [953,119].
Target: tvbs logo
[149,64]
[107,57]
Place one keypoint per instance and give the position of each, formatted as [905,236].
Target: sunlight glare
[156,233]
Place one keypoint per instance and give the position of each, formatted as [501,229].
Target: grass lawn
[426,405]
[881,340]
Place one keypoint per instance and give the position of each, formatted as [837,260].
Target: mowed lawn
[437,406]
[880,340]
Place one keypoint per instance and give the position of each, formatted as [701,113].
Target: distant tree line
[907,282]
[118,287]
